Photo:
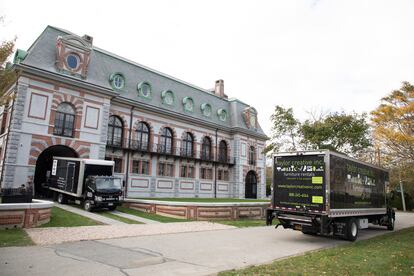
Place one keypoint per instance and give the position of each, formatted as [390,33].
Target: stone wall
[201,211]
[25,215]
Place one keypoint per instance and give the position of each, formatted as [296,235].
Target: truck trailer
[85,181]
[327,193]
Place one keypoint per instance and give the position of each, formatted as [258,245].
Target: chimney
[88,38]
[219,88]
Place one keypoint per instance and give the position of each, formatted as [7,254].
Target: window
[144,90]
[188,104]
[187,149]
[168,97]
[142,133]
[206,109]
[117,81]
[226,175]
[4,119]
[223,174]
[73,61]
[140,167]
[166,141]
[165,169]
[145,167]
[64,120]
[118,165]
[222,114]
[135,166]
[223,152]
[206,149]
[115,129]
[187,171]
[252,160]
[206,173]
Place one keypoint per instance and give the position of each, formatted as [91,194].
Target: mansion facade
[167,138]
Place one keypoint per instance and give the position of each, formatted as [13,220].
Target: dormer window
[117,81]
[144,90]
[73,55]
[222,114]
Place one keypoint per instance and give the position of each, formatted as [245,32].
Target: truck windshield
[108,184]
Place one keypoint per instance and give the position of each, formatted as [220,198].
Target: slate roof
[42,55]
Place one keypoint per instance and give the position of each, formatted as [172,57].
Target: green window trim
[164,95]
[204,109]
[186,106]
[112,78]
[139,89]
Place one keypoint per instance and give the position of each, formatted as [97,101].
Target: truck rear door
[299,183]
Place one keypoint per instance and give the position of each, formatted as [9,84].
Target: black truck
[85,181]
[327,193]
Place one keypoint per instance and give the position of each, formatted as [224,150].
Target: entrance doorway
[251,185]
[44,164]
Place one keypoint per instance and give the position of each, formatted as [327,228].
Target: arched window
[223,152]
[64,120]
[142,132]
[115,131]
[252,160]
[206,149]
[166,142]
[187,149]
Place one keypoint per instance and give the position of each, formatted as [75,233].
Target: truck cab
[102,192]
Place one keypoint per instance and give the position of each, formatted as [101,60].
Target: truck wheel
[351,229]
[111,208]
[391,223]
[61,198]
[87,206]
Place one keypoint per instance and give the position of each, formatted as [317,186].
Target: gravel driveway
[54,235]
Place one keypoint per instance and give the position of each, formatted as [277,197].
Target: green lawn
[115,217]
[148,215]
[63,218]
[14,237]
[243,222]
[211,200]
[390,254]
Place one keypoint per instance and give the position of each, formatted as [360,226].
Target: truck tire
[111,208]
[391,223]
[87,206]
[352,229]
[61,198]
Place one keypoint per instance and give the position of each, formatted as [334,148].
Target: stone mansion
[167,138]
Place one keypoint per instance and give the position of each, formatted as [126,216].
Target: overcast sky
[309,55]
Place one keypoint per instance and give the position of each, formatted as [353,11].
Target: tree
[7,75]
[285,130]
[347,133]
[393,123]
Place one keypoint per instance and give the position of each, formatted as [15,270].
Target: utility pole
[402,191]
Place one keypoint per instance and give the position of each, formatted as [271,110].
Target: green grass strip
[241,223]
[118,218]
[14,237]
[63,218]
[148,215]
[389,254]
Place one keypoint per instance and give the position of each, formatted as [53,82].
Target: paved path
[196,253]
[91,215]
[136,218]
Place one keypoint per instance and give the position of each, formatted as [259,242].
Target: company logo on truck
[300,181]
